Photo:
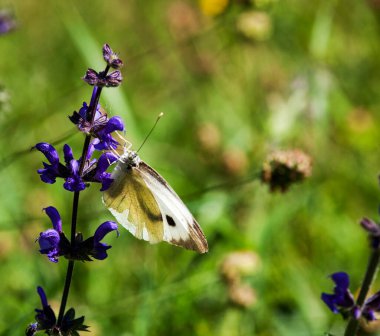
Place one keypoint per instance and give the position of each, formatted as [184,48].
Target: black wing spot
[170,220]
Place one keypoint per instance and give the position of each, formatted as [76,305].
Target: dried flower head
[283,168]
[255,25]
[101,79]
[183,20]
[111,58]
[242,295]
[237,264]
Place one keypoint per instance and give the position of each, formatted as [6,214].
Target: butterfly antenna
[150,132]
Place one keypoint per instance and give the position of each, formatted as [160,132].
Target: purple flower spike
[99,249]
[342,299]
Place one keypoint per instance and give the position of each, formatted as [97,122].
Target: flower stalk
[78,174]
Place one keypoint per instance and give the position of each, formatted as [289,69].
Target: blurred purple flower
[342,297]
[342,301]
[7,22]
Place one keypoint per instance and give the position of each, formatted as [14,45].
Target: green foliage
[229,100]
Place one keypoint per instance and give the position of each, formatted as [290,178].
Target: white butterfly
[143,202]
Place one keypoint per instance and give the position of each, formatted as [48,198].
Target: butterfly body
[143,202]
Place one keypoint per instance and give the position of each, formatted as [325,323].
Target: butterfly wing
[133,204]
[180,227]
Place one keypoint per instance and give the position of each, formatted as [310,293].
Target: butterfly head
[130,159]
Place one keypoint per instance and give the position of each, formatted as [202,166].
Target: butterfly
[144,203]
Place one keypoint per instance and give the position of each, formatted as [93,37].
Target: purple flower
[7,22]
[47,321]
[45,317]
[99,174]
[50,240]
[371,306]
[99,249]
[106,141]
[83,121]
[54,243]
[101,128]
[111,58]
[92,171]
[342,299]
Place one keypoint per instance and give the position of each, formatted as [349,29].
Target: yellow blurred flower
[213,7]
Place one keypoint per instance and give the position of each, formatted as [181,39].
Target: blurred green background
[236,80]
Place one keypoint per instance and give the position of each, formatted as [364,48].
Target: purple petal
[106,182]
[49,151]
[373,302]
[74,168]
[330,301]
[68,154]
[49,241]
[341,280]
[54,217]
[74,184]
[104,229]
[114,124]
[91,148]
[83,111]
[42,295]
[105,160]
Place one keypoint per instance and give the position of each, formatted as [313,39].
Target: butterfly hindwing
[180,227]
[133,204]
